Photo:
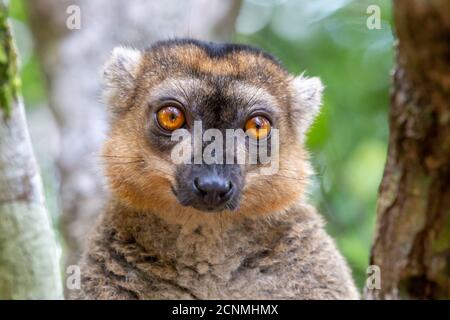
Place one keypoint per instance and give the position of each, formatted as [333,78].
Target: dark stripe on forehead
[215,49]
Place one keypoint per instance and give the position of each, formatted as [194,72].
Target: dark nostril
[197,187]
[229,186]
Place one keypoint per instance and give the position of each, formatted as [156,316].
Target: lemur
[208,231]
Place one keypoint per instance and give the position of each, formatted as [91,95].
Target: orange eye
[170,118]
[258,127]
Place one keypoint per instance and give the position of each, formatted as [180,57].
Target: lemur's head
[188,87]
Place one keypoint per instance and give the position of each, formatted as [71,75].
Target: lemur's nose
[213,189]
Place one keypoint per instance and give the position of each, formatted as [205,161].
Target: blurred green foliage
[330,39]
[33,84]
[348,142]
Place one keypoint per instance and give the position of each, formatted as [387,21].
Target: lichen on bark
[9,73]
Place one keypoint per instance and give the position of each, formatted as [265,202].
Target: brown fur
[148,246]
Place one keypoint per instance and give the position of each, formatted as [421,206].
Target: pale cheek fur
[265,194]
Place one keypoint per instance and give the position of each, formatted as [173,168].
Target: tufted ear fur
[308,96]
[119,75]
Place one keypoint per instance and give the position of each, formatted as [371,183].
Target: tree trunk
[412,240]
[29,267]
[72,60]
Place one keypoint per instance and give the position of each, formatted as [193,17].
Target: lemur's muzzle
[209,187]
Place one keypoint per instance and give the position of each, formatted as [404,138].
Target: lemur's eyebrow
[253,97]
[180,88]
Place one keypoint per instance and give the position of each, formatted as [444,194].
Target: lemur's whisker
[288,170]
[287,177]
[121,162]
[319,174]
[114,156]
[132,162]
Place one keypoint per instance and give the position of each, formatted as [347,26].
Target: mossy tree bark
[412,241]
[29,268]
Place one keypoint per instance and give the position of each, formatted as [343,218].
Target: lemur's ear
[119,74]
[308,95]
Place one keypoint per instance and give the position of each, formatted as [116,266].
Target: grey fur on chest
[293,259]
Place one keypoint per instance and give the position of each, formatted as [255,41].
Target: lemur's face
[189,88]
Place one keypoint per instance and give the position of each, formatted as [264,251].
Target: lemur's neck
[199,243]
